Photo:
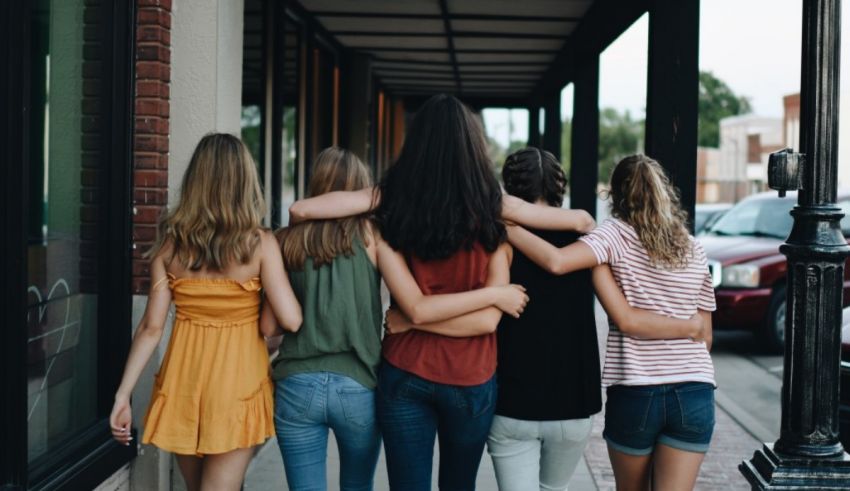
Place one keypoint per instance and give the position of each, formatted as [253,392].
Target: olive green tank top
[341,331]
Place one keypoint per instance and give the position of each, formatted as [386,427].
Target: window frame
[92,456]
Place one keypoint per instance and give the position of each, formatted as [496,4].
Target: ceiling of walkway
[488,48]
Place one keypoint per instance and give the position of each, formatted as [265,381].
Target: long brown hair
[336,169]
[643,197]
[221,206]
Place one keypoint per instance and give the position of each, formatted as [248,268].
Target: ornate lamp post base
[769,470]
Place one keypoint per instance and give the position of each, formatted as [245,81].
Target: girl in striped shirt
[659,413]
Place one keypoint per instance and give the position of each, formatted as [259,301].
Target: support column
[553,125]
[534,126]
[584,158]
[673,93]
[206,77]
[275,68]
[808,454]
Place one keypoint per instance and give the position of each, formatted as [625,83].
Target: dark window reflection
[64,209]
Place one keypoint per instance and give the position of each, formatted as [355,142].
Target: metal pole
[808,454]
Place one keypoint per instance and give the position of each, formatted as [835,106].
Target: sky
[752,45]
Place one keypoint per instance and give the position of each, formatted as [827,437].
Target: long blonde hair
[643,197]
[336,169]
[218,218]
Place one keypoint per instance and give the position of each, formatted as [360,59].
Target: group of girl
[438,231]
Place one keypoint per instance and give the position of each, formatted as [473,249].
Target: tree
[566,145]
[619,136]
[716,101]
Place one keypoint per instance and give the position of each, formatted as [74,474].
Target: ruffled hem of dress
[251,423]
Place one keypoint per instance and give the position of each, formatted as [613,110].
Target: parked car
[706,214]
[844,402]
[747,268]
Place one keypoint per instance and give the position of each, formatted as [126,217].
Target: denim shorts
[677,415]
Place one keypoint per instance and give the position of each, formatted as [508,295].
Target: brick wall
[150,170]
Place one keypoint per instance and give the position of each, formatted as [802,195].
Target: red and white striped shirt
[675,293]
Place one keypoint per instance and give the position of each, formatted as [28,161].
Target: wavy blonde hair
[218,217]
[335,169]
[643,197]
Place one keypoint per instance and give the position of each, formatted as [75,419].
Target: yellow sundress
[213,392]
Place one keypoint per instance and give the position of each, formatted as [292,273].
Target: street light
[808,454]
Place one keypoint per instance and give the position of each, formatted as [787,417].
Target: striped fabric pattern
[675,293]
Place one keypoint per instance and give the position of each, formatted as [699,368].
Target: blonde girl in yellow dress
[212,398]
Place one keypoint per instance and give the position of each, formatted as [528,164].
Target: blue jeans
[306,405]
[413,411]
[677,415]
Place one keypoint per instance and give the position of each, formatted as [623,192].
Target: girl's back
[448,360]
[341,331]
[674,292]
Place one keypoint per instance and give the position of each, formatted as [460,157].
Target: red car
[749,271]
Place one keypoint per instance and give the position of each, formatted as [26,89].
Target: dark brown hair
[532,174]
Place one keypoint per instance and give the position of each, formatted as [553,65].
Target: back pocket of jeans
[358,406]
[627,410]
[477,399]
[297,397]
[696,403]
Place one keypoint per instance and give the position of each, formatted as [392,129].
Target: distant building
[739,167]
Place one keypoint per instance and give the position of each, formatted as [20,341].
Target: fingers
[518,287]
[122,434]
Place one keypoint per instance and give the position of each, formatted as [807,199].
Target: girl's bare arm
[545,217]
[555,260]
[425,309]
[638,322]
[336,204]
[280,300]
[483,321]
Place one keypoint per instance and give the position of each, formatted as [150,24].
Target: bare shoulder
[268,241]
[164,257]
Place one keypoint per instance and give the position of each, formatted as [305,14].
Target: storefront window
[63,227]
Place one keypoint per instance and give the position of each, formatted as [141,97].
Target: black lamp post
[808,454]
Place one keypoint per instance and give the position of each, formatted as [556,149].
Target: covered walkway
[323,72]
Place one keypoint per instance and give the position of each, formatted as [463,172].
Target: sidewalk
[730,445]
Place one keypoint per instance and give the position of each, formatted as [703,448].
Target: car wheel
[773,331]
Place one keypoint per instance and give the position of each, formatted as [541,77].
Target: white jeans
[536,455]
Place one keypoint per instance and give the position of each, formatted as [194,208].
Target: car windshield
[757,218]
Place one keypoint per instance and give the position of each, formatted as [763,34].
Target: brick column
[150,153]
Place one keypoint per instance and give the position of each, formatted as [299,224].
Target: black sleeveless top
[548,359]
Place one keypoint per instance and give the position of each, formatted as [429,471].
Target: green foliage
[251,119]
[498,153]
[566,145]
[619,136]
[716,101]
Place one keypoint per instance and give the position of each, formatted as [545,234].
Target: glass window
[63,229]
[768,217]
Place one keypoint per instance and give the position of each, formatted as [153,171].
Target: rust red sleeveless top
[441,359]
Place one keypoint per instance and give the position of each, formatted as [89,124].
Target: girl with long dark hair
[441,207]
